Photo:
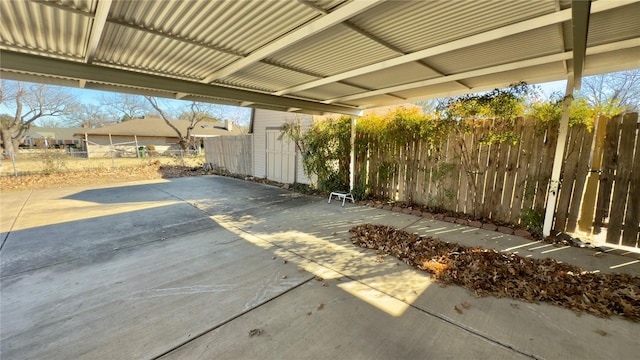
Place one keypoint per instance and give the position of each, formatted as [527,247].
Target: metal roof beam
[455,77]
[314,27]
[66,8]
[523,26]
[372,37]
[580,11]
[32,64]
[561,37]
[620,45]
[99,20]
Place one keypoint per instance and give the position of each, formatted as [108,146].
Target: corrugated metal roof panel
[439,88]
[121,45]
[268,77]
[539,42]
[609,26]
[333,51]
[38,27]
[375,101]
[529,75]
[601,63]
[88,6]
[329,91]
[417,25]
[396,75]
[328,5]
[241,26]
[195,39]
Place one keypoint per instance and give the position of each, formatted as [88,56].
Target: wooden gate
[601,182]
[281,158]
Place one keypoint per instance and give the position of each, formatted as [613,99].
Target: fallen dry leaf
[488,272]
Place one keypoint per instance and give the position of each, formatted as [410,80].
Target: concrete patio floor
[218,268]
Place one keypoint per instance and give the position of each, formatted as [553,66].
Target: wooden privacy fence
[600,182]
[499,181]
[233,153]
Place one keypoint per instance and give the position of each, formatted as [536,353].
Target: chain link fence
[50,161]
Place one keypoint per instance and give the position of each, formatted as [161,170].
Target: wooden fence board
[413,157]
[483,163]
[397,174]
[510,173]
[490,179]
[430,183]
[621,179]
[546,164]
[632,215]
[581,172]
[609,166]
[498,188]
[525,154]
[470,173]
[463,187]
[377,161]
[533,172]
[568,175]
[452,177]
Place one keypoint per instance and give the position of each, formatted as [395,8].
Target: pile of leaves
[489,272]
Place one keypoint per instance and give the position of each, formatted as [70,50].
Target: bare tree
[238,115]
[196,113]
[31,102]
[92,116]
[126,106]
[613,90]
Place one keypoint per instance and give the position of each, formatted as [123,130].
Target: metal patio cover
[325,56]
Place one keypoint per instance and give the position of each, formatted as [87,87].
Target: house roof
[314,56]
[56,133]
[157,127]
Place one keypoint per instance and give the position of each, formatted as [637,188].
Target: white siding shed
[281,156]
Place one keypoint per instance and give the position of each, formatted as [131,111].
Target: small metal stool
[341,196]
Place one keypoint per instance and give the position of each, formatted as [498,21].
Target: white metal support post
[554,185]
[580,11]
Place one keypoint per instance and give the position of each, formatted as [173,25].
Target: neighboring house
[126,137]
[279,160]
[52,137]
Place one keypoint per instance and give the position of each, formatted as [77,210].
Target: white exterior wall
[269,119]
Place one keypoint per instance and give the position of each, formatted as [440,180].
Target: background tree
[92,116]
[239,115]
[125,106]
[614,91]
[30,102]
[194,114]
